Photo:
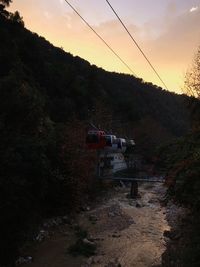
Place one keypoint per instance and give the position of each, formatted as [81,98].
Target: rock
[97,259]
[29,259]
[88,242]
[172,235]
[153,201]
[167,240]
[177,236]
[96,239]
[66,219]
[113,264]
[138,204]
[90,261]
[85,208]
[93,260]
[116,236]
[42,235]
[58,221]
[111,214]
[93,218]
[131,203]
[167,234]
[23,260]
[131,221]
[152,206]
[55,221]
[20,261]
[114,213]
[117,213]
[123,185]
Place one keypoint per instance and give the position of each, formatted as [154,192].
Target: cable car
[95,139]
[111,142]
[130,144]
[121,142]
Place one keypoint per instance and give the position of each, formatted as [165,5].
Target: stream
[127,232]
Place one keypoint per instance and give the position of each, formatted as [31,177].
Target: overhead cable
[137,45]
[115,53]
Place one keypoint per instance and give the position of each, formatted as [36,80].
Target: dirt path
[127,232]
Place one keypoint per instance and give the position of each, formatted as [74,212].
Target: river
[127,232]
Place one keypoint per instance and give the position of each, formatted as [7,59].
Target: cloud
[61,1]
[193,9]
[114,33]
[47,15]
[181,36]
[68,21]
[169,43]
[172,8]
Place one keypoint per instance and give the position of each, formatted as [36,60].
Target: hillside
[47,98]
[67,83]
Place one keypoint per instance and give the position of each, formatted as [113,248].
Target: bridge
[134,181]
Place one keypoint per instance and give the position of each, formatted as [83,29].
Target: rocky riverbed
[125,232]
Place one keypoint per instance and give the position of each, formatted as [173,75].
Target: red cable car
[95,139]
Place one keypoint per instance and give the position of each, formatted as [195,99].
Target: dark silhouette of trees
[6,2]
[15,17]
[3,5]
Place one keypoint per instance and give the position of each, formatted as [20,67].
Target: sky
[168,31]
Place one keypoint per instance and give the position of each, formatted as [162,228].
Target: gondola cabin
[95,139]
[111,143]
[130,145]
[121,142]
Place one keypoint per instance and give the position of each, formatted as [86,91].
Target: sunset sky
[168,31]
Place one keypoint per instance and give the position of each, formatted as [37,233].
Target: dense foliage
[47,97]
[181,160]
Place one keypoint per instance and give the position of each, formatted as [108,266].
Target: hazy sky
[168,31]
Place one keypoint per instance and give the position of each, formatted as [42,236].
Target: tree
[192,88]
[15,17]
[6,2]
[3,4]
[192,78]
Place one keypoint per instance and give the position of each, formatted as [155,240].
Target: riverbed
[127,232]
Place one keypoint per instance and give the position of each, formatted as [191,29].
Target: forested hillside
[180,159]
[47,98]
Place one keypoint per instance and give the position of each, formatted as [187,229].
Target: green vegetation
[47,98]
